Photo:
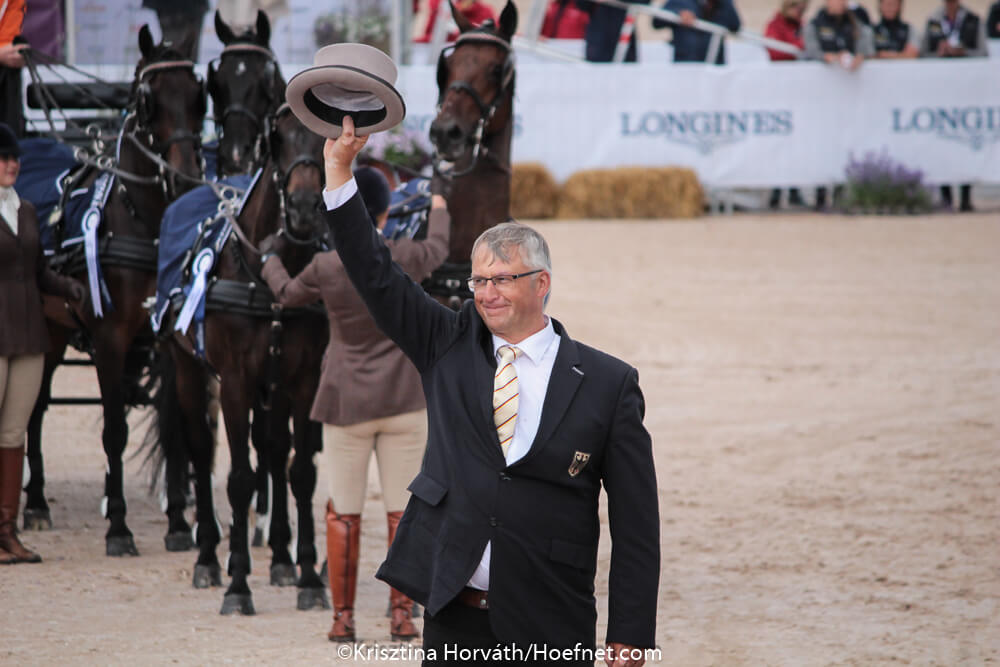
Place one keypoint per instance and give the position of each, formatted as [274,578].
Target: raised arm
[421,326]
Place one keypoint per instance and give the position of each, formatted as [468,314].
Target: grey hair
[503,239]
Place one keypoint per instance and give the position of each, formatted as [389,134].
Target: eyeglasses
[502,281]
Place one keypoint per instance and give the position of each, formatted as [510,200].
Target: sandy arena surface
[823,394]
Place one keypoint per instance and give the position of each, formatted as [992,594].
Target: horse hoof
[312,598]
[37,519]
[283,574]
[120,545]
[237,603]
[206,576]
[178,541]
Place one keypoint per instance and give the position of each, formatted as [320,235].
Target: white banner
[753,125]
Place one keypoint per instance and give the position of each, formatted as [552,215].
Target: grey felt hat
[354,80]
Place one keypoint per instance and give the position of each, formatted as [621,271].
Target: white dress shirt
[9,204]
[338,196]
[533,367]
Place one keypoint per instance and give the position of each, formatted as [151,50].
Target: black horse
[158,159]
[246,88]
[264,357]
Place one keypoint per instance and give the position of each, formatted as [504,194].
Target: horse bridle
[486,110]
[280,177]
[151,148]
[236,109]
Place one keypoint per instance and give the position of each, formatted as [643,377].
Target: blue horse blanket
[408,207]
[44,163]
[192,234]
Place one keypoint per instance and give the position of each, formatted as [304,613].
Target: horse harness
[134,253]
[486,109]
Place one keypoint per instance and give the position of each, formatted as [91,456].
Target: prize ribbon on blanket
[203,263]
[90,225]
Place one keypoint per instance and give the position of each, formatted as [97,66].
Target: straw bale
[534,194]
[632,192]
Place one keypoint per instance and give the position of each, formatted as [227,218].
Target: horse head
[246,87]
[168,104]
[296,161]
[475,80]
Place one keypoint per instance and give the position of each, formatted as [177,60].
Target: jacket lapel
[483,371]
[563,385]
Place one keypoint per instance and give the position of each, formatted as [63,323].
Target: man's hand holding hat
[339,154]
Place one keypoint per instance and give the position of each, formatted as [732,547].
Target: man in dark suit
[499,539]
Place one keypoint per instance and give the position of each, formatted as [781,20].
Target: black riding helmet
[374,189]
[8,142]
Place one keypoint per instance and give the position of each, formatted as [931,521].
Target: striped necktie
[505,396]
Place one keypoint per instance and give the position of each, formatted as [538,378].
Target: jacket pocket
[427,489]
[569,553]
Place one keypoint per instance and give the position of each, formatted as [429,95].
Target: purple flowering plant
[878,184]
[399,147]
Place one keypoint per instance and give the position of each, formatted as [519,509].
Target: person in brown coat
[369,399]
[24,275]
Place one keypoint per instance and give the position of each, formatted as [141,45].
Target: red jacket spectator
[474,10]
[563,20]
[786,26]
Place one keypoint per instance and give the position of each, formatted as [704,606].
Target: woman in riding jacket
[24,275]
[369,399]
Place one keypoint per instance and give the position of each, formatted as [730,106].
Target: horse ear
[210,79]
[146,44]
[464,24]
[508,21]
[224,32]
[263,29]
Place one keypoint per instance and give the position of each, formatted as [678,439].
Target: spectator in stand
[604,30]
[564,20]
[894,38]
[786,26]
[11,62]
[691,44]
[993,21]
[860,13]
[838,38]
[474,10]
[954,32]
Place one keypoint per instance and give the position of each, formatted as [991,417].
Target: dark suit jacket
[24,275]
[542,520]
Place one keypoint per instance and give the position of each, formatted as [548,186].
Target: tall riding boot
[11,468]
[401,624]
[343,549]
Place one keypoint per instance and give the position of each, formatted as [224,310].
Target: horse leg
[282,568]
[302,475]
[262,505]
[235,398]
[36,509]
[109,357]
[178,537]
[194,396]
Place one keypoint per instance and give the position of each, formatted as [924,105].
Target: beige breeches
[20,380]
[398,443]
